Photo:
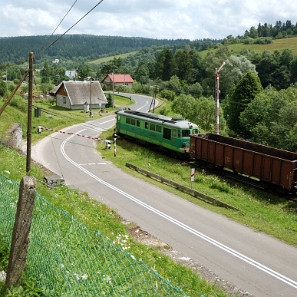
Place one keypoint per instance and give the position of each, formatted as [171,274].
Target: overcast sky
[161,19]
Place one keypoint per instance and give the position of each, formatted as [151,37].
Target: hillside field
[277,44]
[110,58]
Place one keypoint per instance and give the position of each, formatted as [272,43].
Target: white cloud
[195,19]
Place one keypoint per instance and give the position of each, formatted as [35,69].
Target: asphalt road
[254,262]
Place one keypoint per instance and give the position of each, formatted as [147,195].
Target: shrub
[167,94]
[18,102]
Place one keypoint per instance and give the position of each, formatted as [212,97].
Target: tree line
[264,33]
[90,47]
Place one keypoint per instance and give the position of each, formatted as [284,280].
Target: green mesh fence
[67,259]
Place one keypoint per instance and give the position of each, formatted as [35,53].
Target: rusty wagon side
[274,167]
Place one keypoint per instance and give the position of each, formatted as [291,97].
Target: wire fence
[67,259]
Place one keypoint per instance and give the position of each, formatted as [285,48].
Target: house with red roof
[112,81]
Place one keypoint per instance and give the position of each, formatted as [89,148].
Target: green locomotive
[168,133]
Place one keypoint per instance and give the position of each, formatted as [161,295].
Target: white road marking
[90,164]
[227,249]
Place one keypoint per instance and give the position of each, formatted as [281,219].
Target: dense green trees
[244,92]
[271,118]
[3,88]
[198,110]
[16,49]
[234,70]
[84,71]
[164,65]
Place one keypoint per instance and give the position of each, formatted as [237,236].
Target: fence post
[21,230]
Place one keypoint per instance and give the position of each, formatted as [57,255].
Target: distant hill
[16,49]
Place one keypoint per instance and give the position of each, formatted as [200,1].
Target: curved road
[254,262]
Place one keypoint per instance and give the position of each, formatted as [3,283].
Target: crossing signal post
[115,143]
[192,176]
[217,88]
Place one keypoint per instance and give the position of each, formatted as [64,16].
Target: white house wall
[60,101]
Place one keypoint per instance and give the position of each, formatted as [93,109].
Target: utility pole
[91,113]
[113,90]
[217,88]
[29,126]
[153,103]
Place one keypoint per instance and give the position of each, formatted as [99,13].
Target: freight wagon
[167,133]
[275,168]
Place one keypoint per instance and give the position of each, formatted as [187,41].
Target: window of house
[64,100]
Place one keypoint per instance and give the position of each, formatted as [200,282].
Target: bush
[18,102]
[164,110]
[167,94]
[109,100]
[121,89]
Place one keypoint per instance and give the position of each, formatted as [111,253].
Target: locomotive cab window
[128,121]
[158,128]
[185,133]
[146,125]
[152,127]
[175,133]
[133,122]
[138,123]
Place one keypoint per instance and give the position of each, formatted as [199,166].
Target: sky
[160,19]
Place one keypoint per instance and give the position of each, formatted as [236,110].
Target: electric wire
[64,17]
[60,22]
[73,25]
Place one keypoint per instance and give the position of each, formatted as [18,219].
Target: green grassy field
[110,58]
[277,44]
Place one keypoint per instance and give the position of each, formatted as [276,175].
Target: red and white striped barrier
[39,128]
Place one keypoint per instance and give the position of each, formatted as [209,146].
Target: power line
[64,17]
[60,22]
[74,25]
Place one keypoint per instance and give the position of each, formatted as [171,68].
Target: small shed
[75,94]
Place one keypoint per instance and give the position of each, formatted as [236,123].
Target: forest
[258,90]
[89,47]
